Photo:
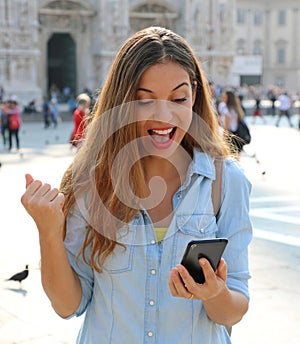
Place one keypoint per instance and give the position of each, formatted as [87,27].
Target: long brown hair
[234,103]
[94,171]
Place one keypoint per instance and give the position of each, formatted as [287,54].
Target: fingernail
[203,261]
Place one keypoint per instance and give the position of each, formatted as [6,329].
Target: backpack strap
[217,186]
[216,198]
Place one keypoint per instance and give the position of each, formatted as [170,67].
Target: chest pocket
[122,257]
[192,227]
[199,225]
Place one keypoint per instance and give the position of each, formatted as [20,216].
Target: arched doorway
[61,62]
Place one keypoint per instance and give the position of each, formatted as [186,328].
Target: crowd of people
[274,101]
[12,114]
[228,101]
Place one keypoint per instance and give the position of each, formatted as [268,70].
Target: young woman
[138,191]
[231,113]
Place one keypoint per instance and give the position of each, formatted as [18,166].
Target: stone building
[48,44]
[52,44]
[267,34]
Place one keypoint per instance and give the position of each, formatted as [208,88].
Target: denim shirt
[130,301]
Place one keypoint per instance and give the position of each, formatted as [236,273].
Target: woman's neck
[167,168]
[163,178]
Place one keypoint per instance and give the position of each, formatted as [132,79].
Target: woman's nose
[163,111]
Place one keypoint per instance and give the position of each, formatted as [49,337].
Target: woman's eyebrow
[144,90]
[174,89]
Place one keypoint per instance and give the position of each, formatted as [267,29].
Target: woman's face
[224,97]
[164,107]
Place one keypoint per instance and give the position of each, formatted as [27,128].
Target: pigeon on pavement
[20,276]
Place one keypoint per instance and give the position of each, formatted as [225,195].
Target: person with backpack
[232,120]
[4,123]
[13,113]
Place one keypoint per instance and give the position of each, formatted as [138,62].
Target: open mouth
[162,137]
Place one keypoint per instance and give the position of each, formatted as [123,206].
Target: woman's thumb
[29,179]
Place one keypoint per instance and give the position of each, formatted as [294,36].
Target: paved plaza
[272,163]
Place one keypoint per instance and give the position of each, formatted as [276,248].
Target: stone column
[295,39]
[296,48]
[268,47]
[3,12]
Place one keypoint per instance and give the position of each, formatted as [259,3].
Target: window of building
[282,17]
[279,81]
[250,80]
[240,46]
[257,17]
[281,55]
[241,16]
[257,47]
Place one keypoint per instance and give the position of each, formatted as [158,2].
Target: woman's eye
[180,100]
[144,102]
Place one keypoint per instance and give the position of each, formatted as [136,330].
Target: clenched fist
[45,205]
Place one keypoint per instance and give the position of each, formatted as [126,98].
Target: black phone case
[211,249]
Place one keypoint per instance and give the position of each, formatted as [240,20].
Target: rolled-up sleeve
[234,223]
[75,235]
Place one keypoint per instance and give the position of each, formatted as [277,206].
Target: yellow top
[160,233]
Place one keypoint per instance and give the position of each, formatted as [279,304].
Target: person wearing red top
[79,117]
[13,113]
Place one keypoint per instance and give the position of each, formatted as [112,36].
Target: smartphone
[211,249]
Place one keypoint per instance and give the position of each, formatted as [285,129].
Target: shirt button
[202,230]
[152,242]
[150,334]
[151,303]
[153,272]
[179,195]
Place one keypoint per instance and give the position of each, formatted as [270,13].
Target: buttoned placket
[152,281]
[154,252]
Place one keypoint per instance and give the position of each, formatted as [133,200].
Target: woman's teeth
[162,132]
[162,137]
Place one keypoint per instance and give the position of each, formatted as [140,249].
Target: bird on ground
[20,276]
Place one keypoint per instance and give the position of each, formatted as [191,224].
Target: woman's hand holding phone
[202,273]
[182,284]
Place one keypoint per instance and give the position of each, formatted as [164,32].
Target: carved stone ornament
[64,5]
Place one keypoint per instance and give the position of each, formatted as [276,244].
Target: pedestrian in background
[4,123]
[54,111]
[272,97]
[231,113]
[1,119]
[285,104]
[126,232]
[46,112]
[13,113]
[1,93]
[257,112]
[79,119]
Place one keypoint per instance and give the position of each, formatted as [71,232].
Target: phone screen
[211,249]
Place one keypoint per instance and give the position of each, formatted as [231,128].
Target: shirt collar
[203,165]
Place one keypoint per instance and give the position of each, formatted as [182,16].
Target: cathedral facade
[48,44]
[57,44]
